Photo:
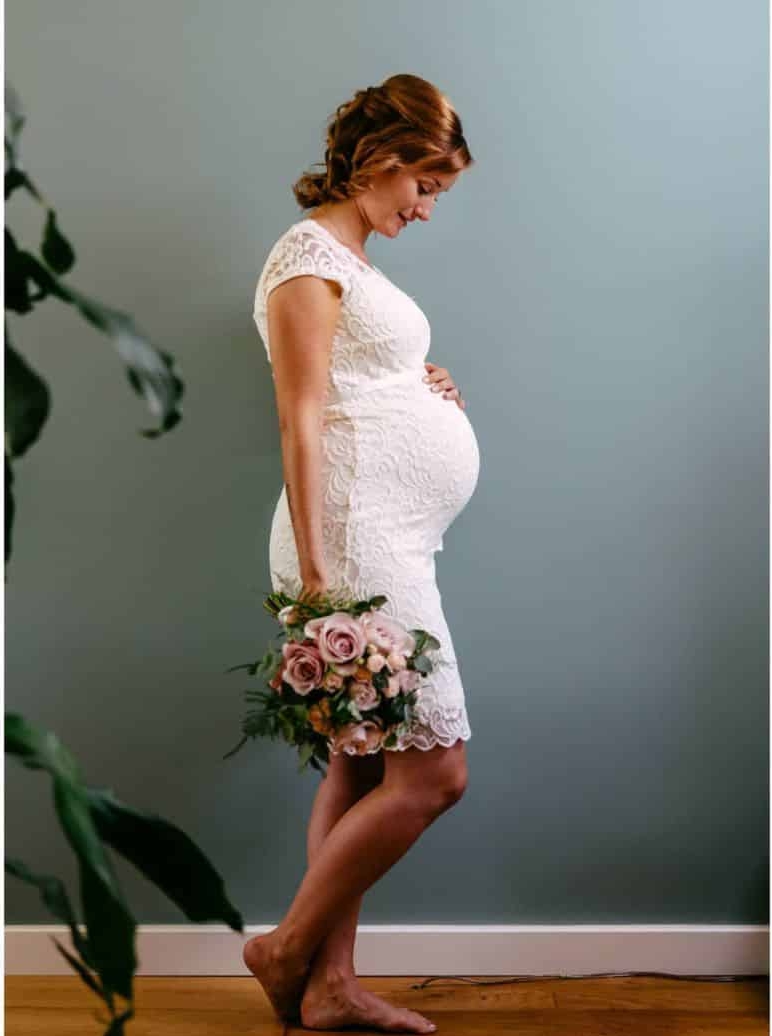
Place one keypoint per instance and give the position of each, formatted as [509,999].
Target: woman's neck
[346,222]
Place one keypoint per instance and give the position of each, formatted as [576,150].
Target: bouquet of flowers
[347,678]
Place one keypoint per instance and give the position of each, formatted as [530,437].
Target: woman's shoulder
[305,247]
[308,240]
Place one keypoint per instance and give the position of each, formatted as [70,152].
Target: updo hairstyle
[406,121]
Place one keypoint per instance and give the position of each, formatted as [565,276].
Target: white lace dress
[399,462]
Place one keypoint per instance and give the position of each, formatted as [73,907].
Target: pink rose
[340,638]
[304,667]
[364,695]
[408,679]
[333,682]
[358,738]
[387,633]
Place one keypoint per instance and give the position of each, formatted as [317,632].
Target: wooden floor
[62,1006]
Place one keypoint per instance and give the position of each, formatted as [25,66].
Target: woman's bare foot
[333,1002]
[282,978]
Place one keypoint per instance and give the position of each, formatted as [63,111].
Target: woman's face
[398,198]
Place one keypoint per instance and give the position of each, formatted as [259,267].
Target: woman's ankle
[287,946]
[331,976]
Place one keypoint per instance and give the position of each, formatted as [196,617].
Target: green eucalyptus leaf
[305,754]
[422,664]
[233,751]
[251,667]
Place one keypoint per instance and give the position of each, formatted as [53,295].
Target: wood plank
[229,1006]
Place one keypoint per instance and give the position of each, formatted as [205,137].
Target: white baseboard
[441,949]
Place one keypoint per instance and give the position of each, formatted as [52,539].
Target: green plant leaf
[166,856]
[151,371]
[38,749]
[23,271]
[15,176]
[10,509]
[110,923]
[14,120]
[83,971]
[55,248]
[116,1026]
[54,896]
[27,402]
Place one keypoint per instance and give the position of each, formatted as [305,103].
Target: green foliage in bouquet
[286,715]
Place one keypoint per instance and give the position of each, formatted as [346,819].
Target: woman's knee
[437,777]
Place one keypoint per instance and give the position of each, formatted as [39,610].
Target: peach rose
[332,682]
[395,661]
[318,720]
[304,667]
[358,738]
[376,662]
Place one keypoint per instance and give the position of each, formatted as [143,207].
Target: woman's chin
[391,227]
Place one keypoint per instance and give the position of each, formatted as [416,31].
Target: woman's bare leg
[348,778]
[334,995]
[364,843]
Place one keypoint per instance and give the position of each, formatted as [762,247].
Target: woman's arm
[302,314]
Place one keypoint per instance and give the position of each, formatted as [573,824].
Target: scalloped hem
[418,739]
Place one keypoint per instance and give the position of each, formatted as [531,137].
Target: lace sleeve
[297,253]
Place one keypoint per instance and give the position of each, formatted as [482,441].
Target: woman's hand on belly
[440,380]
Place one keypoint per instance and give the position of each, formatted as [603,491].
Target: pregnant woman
[377,465]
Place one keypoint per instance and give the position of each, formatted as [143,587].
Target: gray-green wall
[597,286]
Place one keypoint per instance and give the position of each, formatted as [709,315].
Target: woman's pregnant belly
[403,461]
[397,467]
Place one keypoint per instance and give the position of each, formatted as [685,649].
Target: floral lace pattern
[399,463]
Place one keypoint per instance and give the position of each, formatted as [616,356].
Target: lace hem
[455,727]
